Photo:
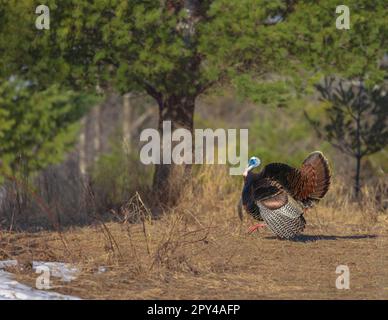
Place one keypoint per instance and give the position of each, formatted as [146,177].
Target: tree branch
[151,90]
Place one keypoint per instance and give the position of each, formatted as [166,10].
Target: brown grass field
[201,250]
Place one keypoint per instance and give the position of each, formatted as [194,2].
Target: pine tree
[37,127]
[357,119]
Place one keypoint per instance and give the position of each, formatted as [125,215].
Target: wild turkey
[279,195]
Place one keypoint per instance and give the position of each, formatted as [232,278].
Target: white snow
[101,269]
[61,270]
[8,263]
[13,290]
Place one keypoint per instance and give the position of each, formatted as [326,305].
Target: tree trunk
[127,121]
[82,148]
[97,132]
[358,152]
[357,177]
[169,179]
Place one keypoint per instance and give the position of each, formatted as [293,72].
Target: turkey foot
[256,227]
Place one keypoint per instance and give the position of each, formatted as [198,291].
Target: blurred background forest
[101,171]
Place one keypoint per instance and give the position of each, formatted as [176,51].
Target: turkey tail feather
[316,166]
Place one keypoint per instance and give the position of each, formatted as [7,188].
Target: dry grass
[200,249]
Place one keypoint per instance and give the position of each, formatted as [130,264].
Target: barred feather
[286,222]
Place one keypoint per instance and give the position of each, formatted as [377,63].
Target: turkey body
[280,194]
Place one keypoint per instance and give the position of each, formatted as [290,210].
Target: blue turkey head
[253,162]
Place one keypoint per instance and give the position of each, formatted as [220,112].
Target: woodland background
[105,161]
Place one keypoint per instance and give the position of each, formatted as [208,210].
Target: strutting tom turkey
[279,195]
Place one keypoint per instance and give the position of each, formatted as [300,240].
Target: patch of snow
[8,263]
[61,270]
[10,289]
[101,269]
[13,290]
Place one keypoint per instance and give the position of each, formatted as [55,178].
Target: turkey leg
[256,227]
